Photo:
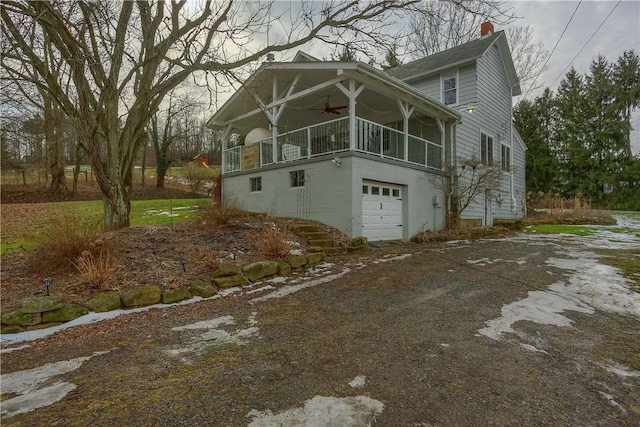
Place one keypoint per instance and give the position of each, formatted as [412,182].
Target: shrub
[197,176]
[274,243]
[96,270]
[64,239]
[222,213]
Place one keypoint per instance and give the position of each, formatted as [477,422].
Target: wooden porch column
[406,111]
[441,126]
[273,120]
[352,93]
[225,140]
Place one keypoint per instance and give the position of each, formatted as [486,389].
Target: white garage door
[381,211]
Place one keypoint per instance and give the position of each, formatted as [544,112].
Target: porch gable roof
[303,81]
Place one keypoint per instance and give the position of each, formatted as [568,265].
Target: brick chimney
[486,29]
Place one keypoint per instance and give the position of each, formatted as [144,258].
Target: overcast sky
[620,32]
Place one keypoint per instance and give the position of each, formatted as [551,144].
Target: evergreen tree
[391,59]
[535,123]
[626,75]
[605,131]
[571,136]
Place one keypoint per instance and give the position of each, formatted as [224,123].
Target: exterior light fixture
[47,282]
[470,110]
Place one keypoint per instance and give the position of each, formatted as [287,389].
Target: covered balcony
[293,111]
[333,137]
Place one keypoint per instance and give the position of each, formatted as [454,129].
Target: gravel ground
[392,340]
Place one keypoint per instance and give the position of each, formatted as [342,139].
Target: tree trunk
[144,163]
[55,147]
[162,165]
[117,203]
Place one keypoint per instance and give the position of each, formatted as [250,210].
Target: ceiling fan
[329,109]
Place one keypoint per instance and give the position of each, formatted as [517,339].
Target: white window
[506,158]
[486,149]
[256,184]
[296,178]
[450,89]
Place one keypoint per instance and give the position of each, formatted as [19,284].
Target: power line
[553,50]
[586,43]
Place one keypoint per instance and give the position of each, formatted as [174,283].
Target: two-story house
[366,151]
[479,80]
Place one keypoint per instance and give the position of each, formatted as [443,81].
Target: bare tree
[440,25]
[529,57]
[120,60]
[463,183]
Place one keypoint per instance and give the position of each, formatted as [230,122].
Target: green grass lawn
[143,212]
[578,230]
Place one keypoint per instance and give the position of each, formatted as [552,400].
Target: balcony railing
[333,137]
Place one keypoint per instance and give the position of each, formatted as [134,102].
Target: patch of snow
[8,339]
[358,382]
[9,350]
[600,286]
[529,347]
[206,324]
[229,291]
[27,385]
[543,307]
[322,411]
[277,279]
[288,290]
[481,261]
[295,252]
[621,371]
[392,258]
[588,284]
[212,336]
[612,401]
[262,289]
[36,399]
[444,345]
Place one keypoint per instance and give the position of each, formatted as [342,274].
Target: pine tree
[535,123]
[605,131]
[571,136]
[391,59]
[626,75]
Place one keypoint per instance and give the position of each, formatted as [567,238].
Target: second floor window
[486,149]
[450,89]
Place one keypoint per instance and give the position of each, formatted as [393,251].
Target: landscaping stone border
[45,311]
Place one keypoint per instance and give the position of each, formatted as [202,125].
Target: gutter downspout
[511,178]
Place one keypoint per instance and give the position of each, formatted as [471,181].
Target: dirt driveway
[521,331]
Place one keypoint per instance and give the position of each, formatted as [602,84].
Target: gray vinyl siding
[333,195]
[432,86]
[493,117]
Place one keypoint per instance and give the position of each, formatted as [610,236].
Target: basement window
[256,184]
[296,179]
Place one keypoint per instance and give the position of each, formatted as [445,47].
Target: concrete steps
[314,236]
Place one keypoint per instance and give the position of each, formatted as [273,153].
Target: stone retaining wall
[46,311]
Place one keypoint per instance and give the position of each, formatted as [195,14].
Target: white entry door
[381,211]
